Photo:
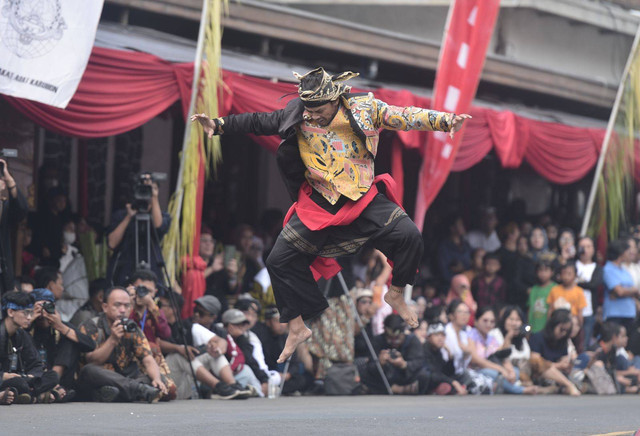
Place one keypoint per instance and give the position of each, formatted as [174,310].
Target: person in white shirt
[485,237]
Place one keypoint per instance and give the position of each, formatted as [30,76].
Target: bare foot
[294,339]
[573,391]
[396,301]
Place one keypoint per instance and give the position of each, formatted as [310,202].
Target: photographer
[13,208]
[58,342]
[21,368]
[122,233]
[402,359]
[112,370]
[151,319]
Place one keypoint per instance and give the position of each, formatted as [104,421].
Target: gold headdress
[328,87]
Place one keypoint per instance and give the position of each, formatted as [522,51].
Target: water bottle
[273,388]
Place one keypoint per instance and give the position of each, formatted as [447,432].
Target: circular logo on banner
[31,28]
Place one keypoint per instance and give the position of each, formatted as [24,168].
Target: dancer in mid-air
[330,139]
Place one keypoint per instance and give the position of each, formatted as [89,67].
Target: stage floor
[370,415]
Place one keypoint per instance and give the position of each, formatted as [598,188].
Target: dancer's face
[321,115]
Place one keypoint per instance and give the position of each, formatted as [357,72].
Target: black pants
[94,377]
[382,222]
[32,385]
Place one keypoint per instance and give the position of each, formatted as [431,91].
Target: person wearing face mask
[13,208]
[74,273]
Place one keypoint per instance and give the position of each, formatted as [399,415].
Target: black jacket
[282,122]
[441,371]
[247,349]
[28,360]
[411,350]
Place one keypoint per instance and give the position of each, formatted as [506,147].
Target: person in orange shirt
[568,291]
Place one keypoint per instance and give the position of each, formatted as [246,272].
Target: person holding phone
[13,208]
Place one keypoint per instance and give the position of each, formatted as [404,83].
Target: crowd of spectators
[517,308]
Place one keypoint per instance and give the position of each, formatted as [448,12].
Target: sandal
[45,398]
[8,396]
[62,395]
[23,399]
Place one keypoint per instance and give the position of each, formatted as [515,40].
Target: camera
[142,192]
[142,291]
[394,354]
[4,153]
[129,325]
[49,307]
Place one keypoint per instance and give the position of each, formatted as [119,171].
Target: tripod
[142,227]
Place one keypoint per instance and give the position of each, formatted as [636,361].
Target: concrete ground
[371,415]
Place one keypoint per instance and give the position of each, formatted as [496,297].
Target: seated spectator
[246,369]
[147,315]
[589,275]
[441,371]
[21,369]
[567,291]
[25,284]
[489,289]
[627,366]
[273,338]
[112,371]
[74,272]
[550,356]
[477,265]
[59,343]
[461,290]
[401,358]
[364,299]
[538,294]
[486,237]
[218,276]
[421,331]
[620,292]
[605,357]
[454,253]
[202,355]
[93,307]
[489,361]
[251,308]
[431,294]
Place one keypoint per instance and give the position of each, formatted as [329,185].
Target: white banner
[45,46]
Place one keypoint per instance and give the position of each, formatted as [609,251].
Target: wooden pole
[607,136]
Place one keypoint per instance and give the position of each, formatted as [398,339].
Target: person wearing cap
[251,308]
[59,343]
[245,368]
[203,356]
[364,301]
[330,140]
[402,359]
[21,369]
[440,369]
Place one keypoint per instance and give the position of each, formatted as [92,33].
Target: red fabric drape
[122,90]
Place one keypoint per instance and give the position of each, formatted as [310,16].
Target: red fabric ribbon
[316,218]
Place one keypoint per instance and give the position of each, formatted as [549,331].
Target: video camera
[142,192]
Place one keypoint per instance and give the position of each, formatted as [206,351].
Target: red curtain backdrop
[122,90]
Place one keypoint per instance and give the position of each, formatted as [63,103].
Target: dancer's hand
[208,125]
[457,123]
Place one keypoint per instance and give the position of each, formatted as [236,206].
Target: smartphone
[229,253]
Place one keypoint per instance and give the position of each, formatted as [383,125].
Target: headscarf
[537,255]
[329,88]
[43,294]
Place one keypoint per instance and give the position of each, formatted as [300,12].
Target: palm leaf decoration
[178,243]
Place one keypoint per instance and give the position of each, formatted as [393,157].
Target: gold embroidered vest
[336,159]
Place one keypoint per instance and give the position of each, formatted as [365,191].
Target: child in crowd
[538,294]
[489,289]
[568,291]
[626,364]
[441,370]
